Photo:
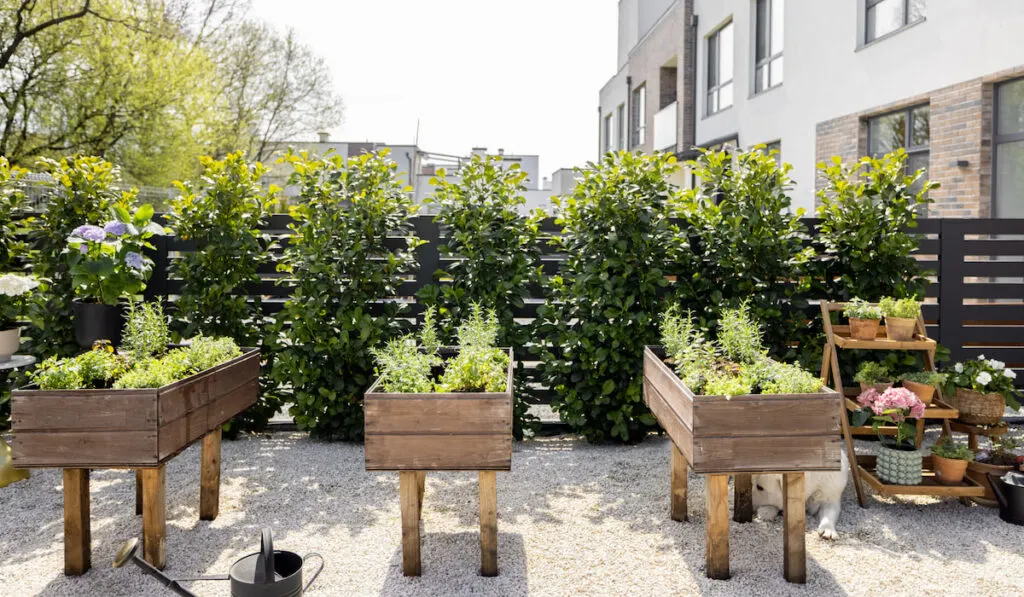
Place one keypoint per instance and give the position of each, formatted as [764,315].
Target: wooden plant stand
[83,430]
[740,436]
[416,433]
[862,468]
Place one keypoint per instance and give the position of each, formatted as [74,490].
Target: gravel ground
[574,519]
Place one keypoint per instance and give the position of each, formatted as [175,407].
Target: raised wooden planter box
[439,431]
[129,428]
[745,434]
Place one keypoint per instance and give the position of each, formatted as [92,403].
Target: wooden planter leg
[794,528]
[408,493]
[421,484]
[678,483]
[717,527]
[209,485]
[138,492]
[154,516]
[743,498]
[77,532]
[488,523]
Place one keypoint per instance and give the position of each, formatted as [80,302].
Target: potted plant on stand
[982,390]
[999,459]
[108,264]
[950,459]
[13,289]
[900,317]
[899,462]
[873,375]
[864,319]
[923,383]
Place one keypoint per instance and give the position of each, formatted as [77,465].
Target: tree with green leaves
[496,252]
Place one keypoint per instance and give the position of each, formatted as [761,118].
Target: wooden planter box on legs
[761,433]
[416,433]
[79,430]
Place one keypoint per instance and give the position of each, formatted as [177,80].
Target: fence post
[951,286]
[427,254]
[157,285]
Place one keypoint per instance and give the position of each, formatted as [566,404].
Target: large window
[909,129]
[882,17]
[620,121]
[609,142]
[720,61]
[768,44]
[639,123]
[1009,155]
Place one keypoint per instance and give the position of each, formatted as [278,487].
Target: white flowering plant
[14,288]
[984,375]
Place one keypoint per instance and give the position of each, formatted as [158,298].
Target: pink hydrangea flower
[899,403]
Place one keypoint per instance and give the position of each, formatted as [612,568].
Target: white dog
[822,490]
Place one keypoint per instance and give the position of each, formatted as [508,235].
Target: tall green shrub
[224,213]
[749,245]
[342,265]
[498,258]
[83,191]
[619,240]
[12,202]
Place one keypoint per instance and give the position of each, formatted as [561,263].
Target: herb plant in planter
[900,317]
[982,390]
[864,319]
[13,291]
[108,264]
[899,461]
[950,459]
[923,383]
[873,375]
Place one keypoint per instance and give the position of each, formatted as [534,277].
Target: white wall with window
[720,64]
[638,120]
[768,41]
[883,17]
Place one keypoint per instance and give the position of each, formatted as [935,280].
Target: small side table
[9,474]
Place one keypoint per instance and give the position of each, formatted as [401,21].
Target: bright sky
[522,75]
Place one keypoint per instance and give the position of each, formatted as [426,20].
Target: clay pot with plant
[901,317]
[872,375]
[998,460]
[864,317]
[950,460]
[982,390]
[923,383]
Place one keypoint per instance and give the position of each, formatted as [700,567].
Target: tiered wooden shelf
[838,337]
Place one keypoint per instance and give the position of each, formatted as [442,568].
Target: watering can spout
[999,491]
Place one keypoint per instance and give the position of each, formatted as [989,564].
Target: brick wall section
[838,137]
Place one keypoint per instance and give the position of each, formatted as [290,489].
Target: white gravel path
[574,519]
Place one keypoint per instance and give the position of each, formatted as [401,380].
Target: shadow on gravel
[451,565]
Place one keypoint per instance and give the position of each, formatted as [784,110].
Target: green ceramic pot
[899,466]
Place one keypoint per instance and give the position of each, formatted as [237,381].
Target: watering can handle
[264,573]
[318,570]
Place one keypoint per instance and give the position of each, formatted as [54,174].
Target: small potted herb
[864,319]
[873,375]
[999,459]
[107,265]
[923,383]
[899,461]
[900,317]
[13,289]
[982,390]
[950,460]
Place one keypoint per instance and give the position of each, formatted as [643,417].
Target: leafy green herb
[871,373]
[858,308]
[947,448]
[906,308]
[145,332]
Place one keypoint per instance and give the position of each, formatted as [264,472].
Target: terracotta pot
[977,408]
[949,471]
[10,340]
[879,387]
[864,329]
[924,391]
[976,472]
[900,329]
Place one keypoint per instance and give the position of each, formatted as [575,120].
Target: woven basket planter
[864,329]
[977,408]
[900,329]
[899,467]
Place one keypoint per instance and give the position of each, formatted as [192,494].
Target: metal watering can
[1009,490]
[268,573]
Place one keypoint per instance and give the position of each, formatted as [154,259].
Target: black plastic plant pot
[96,321]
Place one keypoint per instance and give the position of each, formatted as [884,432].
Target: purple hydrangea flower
[115,228]
[83,249]
[90,233]
[134,260]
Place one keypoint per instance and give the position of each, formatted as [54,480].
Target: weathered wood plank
[408,491]
[209,484]
[439,415]
[678,483]
[670,419]
[757,454]
[154,516]
[177,434]
[488,523]
[86,449]
[439,452]
[77,526]
[114,411]
[768,416]
[743,498]
[716,548]
[794,556]
[668,384]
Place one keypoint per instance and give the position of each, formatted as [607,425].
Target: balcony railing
[665,128]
